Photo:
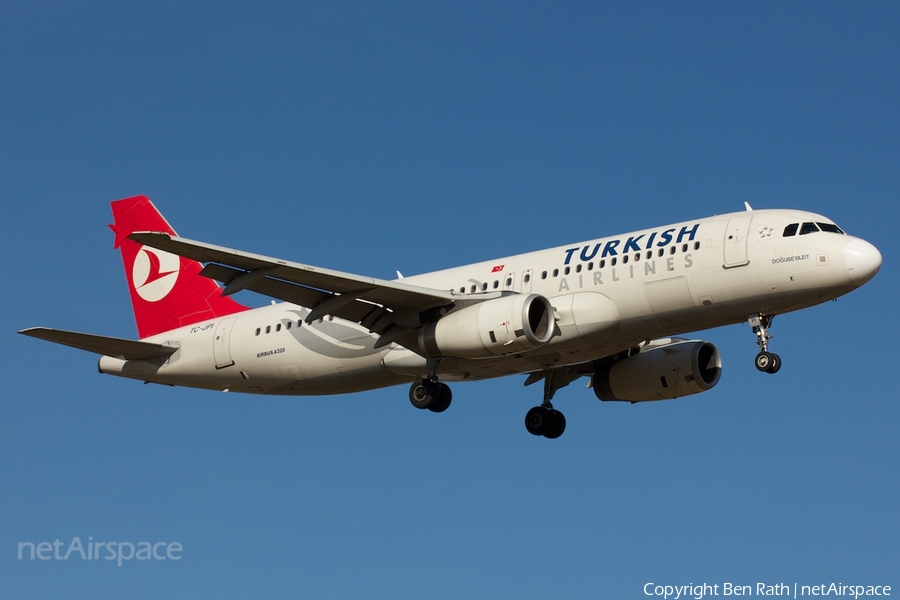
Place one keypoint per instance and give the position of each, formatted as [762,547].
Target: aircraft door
[222,343]
[736,236]
[526,281]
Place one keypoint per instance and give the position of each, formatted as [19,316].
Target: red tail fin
[167,291]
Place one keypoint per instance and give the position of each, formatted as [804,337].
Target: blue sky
[371,137]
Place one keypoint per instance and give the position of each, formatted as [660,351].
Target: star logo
[154,273]
[765,232]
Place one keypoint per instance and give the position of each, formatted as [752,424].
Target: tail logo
[154,273]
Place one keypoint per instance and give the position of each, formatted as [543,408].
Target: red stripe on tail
[167,291]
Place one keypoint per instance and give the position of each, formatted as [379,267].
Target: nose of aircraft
[862,259]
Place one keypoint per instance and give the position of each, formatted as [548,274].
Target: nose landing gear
[767,362]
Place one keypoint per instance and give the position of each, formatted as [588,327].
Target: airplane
[610,309]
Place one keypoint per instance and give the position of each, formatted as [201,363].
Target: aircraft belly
[584,317]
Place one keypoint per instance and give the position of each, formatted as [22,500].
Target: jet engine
[661,370]
[497,327]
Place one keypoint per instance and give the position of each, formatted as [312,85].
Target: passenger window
[684,247]
[278,327]
[508,281]
[613,262]
[637,257]
[299,322]
[568,270]
[484,286]
[808,228]
[527,277]
[556,272]
[544,275]
[474,288]
[288,324]
[257,331]
[696,245]
[590,266]
[830,228]
[673,250]
[268,329]
[578,268]
[661,252]
[649,254]
[624,259]
[602,264]
[791,230]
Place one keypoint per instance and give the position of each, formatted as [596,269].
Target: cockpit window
[808,228]
[830,228]
[791,229]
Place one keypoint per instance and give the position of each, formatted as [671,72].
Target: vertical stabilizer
[167,291]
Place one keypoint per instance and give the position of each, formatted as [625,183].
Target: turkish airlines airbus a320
[606,309]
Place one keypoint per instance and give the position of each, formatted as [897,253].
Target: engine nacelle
[497,327]
[660,372]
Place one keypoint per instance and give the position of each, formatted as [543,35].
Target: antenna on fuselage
[747,206]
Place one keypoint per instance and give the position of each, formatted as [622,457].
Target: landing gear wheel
[558,426]
[763,361]
[768,362]
[442,401]
[433,395]
[545,421]
[536,420]
[422,393]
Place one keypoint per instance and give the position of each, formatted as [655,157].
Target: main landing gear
[431,394]
[767,362]
[544,420]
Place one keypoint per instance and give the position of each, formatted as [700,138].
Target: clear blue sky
[371,137]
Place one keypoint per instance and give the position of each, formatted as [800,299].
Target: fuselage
[608,294]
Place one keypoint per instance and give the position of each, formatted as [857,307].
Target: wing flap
[108,346]
[321,302]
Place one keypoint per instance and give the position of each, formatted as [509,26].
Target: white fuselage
[608,294]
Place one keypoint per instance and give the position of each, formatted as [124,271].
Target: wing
[388,308]
[101,344]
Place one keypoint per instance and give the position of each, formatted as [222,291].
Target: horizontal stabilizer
[101,344]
